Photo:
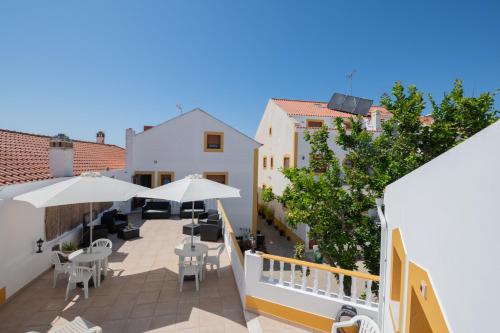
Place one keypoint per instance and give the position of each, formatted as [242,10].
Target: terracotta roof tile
[317,109]
[24,157]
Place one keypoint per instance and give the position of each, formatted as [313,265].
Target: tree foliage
[335,203]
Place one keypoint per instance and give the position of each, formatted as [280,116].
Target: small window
[314,123]
[214,141]
[347,124]
[286,162]
[165,178]
[219,177]
[264,162]
[270,131]
[271,162]
[319,169]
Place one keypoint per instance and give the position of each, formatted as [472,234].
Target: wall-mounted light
[39,243]
[155,161]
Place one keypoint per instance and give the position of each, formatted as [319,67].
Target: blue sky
[81,66]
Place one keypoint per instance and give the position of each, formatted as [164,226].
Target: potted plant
[69,247]
[282,232]
[269,212]
[260,210]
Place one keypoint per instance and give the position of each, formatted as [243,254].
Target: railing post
[368,292]
[304,277]
[315,285]
[282,264]
[292,276]
[354,289]
[341,285]
[271,270]
[328,283]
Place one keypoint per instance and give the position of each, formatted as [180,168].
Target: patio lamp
[39,243]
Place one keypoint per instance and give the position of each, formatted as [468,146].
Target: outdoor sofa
[187,209]
[98,231]
[114,220]
[212,213]
[156,210]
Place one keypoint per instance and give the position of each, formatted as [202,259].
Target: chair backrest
[54,257]
[220,249]
[366,324]
[192,268]
[77,272]
[186,240]
[102,242]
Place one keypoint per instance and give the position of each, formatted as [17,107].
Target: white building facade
[197,143]
[281,132]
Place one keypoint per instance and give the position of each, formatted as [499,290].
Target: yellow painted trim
[264,162]
[270,131]
[295,149]
[397,294]
[322,267]
[430,305]
[3,295]
[146,173]
[309,320]
[161,173]
[255,187]
[271,162]
[230,230]
[322,121]
[211,150]
[217,173]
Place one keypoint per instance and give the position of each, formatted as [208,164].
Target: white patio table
[96,256]
[185,251]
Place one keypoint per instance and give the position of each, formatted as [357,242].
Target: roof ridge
[311,101]
[48,137]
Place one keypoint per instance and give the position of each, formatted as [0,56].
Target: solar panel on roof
[350,104]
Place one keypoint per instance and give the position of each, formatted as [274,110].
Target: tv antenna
[179,108]
[349,77]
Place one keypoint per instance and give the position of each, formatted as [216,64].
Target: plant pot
[288,238]
[282,233]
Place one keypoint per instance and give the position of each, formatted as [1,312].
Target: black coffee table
[128,233]
[186,230]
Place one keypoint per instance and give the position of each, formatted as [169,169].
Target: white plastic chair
[59,267]
[215,260]
[366,325]
[81,274]
[190,269]
[77,325]
[103,242]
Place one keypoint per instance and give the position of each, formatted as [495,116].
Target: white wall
[448,212]
[21,225]
[177,146]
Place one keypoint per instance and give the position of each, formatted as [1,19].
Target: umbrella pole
[192,224]
[91,227]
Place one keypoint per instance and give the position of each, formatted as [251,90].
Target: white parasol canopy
[190,189]
[88,187]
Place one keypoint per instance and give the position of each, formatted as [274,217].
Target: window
[219,177]
[214,142]
[347,124]
[286,162]
[316,161]
[271,162]
[264,162]
[314,123]
[165,178]
[270,131]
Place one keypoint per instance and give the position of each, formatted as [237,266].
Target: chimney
[99,137]
[61,156]
[146,127]
[129,149]
[376,122]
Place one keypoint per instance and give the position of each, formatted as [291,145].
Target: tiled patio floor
[140,294]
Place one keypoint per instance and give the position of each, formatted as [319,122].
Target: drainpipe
[383,263]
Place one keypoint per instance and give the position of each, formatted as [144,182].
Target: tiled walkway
[140,294]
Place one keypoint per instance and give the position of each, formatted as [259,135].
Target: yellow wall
[3,295]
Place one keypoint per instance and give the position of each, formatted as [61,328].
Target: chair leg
[181,282]
[67,291]
[197,282]
[86,289]
[218,269]
[56,273]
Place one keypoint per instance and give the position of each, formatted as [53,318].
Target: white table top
[185,250]
[98,253]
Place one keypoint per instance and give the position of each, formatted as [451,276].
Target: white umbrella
[88,187]
[191,188]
